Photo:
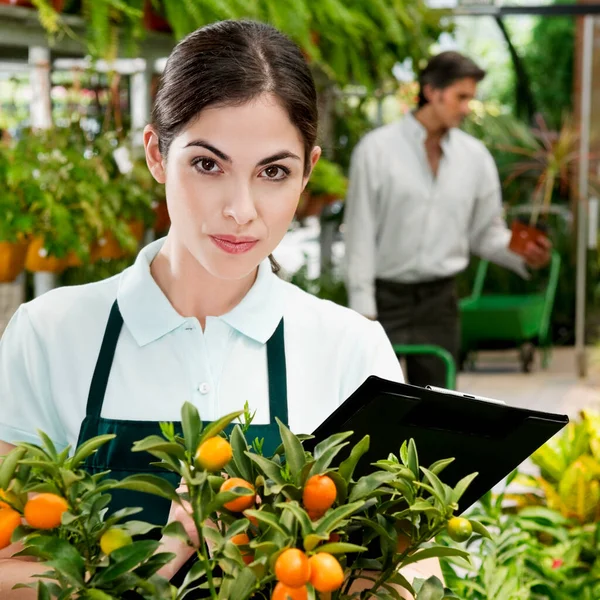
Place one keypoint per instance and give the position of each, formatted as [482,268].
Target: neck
[191,289]
[435,129]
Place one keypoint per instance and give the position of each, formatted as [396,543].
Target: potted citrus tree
[292,525]
[327,184]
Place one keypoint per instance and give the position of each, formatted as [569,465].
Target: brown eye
[207,164]
[275,173]
[272,172]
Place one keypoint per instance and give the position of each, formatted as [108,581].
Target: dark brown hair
[445,69]
[230,63]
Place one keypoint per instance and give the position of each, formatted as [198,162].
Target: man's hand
[537,253]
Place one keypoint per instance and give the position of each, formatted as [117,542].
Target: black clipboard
[483,436]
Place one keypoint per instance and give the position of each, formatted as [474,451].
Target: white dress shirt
[49,351]
[405,225]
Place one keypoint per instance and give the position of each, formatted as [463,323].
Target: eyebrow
[265,161]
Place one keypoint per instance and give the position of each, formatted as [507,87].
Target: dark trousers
[421,313]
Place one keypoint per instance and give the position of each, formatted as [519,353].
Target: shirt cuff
[363,302]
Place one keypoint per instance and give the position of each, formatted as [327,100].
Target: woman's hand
[171,544]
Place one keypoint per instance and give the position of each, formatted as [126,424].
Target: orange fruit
[252,519]
[214,454]
[241,539]
[113,539]
[9,520]
[292,568]
[45,511]
[283,592]
[459,529]
[315,515]
[326,573]
[243,502]
[319,493]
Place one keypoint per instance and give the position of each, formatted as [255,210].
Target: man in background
[423,195]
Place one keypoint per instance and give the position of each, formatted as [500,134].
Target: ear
[314,159]
[428,92]
[154,159]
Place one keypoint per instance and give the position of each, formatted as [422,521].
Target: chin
[230,268]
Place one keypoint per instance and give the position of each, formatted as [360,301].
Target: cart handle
[549,297]
[438,351]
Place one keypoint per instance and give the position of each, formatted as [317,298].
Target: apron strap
[105,360]
[278,402]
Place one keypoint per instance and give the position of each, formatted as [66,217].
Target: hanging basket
[39,261]
[12,260]
[523,234]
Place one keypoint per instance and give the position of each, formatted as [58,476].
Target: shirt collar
[416,129]
[149,315]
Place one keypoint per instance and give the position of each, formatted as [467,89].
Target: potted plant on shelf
[16,222]
[288,525]
[549,157]
[327,184]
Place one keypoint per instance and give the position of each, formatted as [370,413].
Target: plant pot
[311,205]
[163,221]
[137,229]
[154,21]
[522,234]
[38,260]
[107,248]
[12,260]
[73,260]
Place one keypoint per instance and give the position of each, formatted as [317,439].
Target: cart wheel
[527,355]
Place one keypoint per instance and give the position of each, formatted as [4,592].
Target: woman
[200,316]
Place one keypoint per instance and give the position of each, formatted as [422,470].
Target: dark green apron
[117,457]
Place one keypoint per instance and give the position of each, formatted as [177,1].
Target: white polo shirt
[50,348]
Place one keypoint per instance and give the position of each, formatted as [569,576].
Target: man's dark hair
[445,69]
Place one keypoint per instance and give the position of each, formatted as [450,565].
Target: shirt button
[204,388]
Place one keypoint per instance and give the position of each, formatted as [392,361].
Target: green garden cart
[519,320]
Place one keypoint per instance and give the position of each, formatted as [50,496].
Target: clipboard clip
[461,395]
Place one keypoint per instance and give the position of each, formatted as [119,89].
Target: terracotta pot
[12,260]
[107,248]
[38,260]
[137,229]
[522,234]
[153,21]
[312,205]
[163,221]
[73,260]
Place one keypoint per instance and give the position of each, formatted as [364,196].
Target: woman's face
[233,180]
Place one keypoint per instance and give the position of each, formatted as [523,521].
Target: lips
[232,244]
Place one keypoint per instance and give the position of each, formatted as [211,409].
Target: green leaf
[438,486]
[435,552]
[348,466]
[244,584]
[399,579]
[299,514]
[216,427]
[271,469]
[404,454]
[340,548]
[462,485]
[138,527]
[323,463]
[97,595]
[177,530]
[334,517]
[294,452]
[329,443]
[413,457]
[198,570]
[480,529]
[88,448]
[368,484]
[48,444]
[125,559]
[268,519]
[312,540]
[9,466]
[239,446]
[192,427]
[222,498]
[43,591]
[432,589]
[155,443]
[150,484]
[340,485]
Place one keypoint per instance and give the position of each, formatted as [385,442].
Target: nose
[241,206]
